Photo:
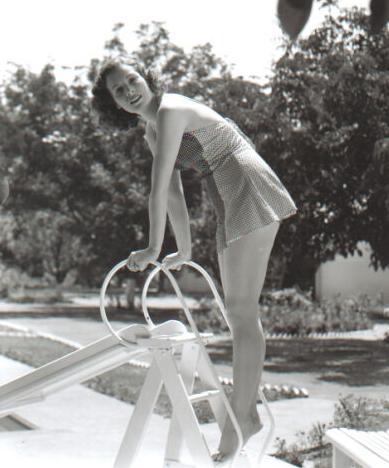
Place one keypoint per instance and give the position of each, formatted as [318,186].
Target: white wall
[351,276]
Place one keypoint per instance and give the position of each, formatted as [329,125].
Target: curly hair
[109,115]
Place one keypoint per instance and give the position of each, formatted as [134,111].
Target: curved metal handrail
[103,291]
[160,267]
[196,332]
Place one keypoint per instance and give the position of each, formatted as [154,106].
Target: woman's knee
[236,303]
[242,312]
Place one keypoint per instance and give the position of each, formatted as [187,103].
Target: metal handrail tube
[160,267]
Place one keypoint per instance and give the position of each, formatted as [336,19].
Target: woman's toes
[218,457]
[221,459]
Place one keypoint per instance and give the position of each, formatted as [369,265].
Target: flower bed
[291,312]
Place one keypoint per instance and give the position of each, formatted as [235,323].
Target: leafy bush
[293,312]
[350,412]
[13,279]
[41,296]
[18,286]
[362,413]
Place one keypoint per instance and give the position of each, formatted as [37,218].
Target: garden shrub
[292,312]
[18,286]
[351,412]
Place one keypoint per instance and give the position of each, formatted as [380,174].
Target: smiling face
[129,89]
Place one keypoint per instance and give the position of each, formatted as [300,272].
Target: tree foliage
[326,131]
[79,194]
[92,184]
[61,163]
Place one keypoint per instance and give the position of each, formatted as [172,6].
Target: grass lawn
[351,362]
[124,382]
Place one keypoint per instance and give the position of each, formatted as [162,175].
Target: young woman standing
[249,199]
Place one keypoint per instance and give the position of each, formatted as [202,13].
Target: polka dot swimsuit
[244,190]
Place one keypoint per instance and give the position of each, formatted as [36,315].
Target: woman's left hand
[175,260]
[139,259]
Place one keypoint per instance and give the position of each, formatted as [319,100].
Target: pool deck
[82,428]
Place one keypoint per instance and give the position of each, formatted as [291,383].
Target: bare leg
[243,266]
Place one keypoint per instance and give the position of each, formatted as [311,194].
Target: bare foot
[229,440]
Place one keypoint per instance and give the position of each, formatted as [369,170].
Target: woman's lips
[134,101]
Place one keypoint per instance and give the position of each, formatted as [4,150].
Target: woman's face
[129,89]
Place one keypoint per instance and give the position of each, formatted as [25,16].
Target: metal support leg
[188,364]
[188,422]
[140,418]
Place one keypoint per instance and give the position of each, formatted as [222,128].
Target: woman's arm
[178,215]
[176,204]
[170,128]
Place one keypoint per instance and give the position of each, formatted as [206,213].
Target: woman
[249,200]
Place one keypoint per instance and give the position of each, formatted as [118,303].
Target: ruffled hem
[222,242]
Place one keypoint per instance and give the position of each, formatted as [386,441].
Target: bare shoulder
[172,111]
[174,101]
[173,105]
[192,113]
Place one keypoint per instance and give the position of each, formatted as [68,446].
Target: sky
[71,33]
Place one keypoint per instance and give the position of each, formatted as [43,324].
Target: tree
[306,122]
[327,114]
[294,14]
[59,162]
[44,244]
[96,182]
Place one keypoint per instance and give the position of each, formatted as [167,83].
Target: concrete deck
[81,428]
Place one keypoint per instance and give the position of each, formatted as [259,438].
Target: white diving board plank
[75,367]
[367,448]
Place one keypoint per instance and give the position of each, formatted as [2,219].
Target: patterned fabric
[244,190]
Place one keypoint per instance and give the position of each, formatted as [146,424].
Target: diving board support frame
[178,378]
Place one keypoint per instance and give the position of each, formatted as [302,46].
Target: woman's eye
[119,91]
[131,79]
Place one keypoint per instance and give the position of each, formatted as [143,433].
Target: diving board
[370,449]
[76,367]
